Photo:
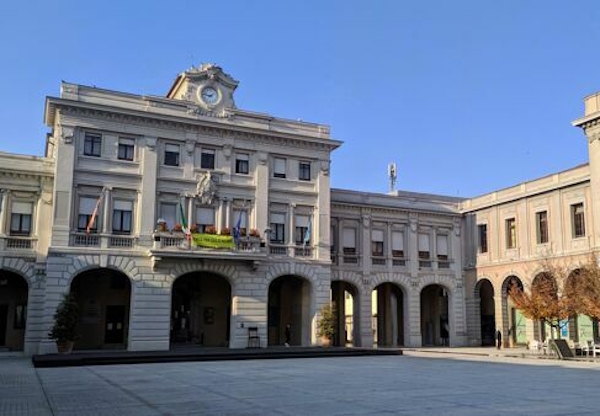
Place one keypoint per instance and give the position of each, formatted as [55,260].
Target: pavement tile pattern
[416,384]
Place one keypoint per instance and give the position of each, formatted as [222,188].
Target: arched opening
[346,298]
[387,303]
[289,304]
[201,310]
[487,312]
[13,311]
[515,324]
[542,329]
[435,322]
[103,296]
[581,328]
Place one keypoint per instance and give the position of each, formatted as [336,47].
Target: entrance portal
[487,312]
[515,323]
[13,310]
[345,296]
[289,304]
[201,310]
[103,297]
[435,324]
[388,317]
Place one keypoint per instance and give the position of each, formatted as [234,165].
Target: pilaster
[147,196]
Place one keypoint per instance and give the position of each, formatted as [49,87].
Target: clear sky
[466,96]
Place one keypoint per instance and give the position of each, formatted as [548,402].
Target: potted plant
[65,323]
[225,231]
[177,227]
[254,233]
[326,326]
[161,225]
[211,229]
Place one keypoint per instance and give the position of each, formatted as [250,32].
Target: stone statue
[206,190]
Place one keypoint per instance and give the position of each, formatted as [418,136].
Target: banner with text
[213,241]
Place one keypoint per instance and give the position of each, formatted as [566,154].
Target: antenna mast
[392,174]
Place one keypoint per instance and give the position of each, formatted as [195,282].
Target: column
[63,185]
[366,319]
[147,196]
[4,211]
[106,205]
[321,221]
[261,196]
[291,228]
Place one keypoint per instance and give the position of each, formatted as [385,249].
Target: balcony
[291,250]
[102,241]
[205,246]
[18,244]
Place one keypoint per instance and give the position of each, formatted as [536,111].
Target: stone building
[103,215]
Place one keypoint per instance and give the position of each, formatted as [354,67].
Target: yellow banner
[213,241]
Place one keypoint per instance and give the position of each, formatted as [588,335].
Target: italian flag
[184,224]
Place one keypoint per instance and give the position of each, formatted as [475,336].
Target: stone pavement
[419,383]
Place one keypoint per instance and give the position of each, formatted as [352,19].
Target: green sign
[213,241]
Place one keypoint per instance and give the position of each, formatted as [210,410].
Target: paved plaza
[415,384]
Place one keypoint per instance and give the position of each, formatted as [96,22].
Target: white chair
[534,346]
[594,348]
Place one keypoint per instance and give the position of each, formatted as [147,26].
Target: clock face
[209,95]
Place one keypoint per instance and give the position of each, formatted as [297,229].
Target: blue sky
[466,96]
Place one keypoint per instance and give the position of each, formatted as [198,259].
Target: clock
[209,95]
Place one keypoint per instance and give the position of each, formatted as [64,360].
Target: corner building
[404,268]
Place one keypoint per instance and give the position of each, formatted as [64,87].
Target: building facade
[105,215]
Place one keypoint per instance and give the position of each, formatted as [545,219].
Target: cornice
[196,125]
[26,175]
[375,211]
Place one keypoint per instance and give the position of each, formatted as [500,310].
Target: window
[397,244]
[207,159]
[126,148]
[92,145]
[578,220]
[423,246]
[122,215]
[302,230]
[511,233]
[442,247]
[349,241]
[541,221]
[377,243]
[304,171]
[205,217]
[87,206]
[168,212]
[172,155]
[279,169]
[242,164]
[277,228]
[20,220]
[240,216]
[483,238]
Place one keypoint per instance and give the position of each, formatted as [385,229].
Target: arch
[388,302]
[435,319]
[201,309]
[289,317]
[514,324]
[14,295]
[346,297]
[119,264]
[484,292]
[104,299]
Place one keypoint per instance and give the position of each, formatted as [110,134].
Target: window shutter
[173,148]
[377,235]
[22,208]
[208,151]
[302,221]
[442,245]
[127,142]
[277,218]
[424,242]
[349,237]
[279,165]
[242,156]
[168,213]
[205,216]
[87,205]
[398,241]
[123,205]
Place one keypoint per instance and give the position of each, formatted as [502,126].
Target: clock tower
[206,86]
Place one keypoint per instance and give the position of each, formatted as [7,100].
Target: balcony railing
[378,261]
[179,241]
[79,239]
[85,240]
[18,243]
